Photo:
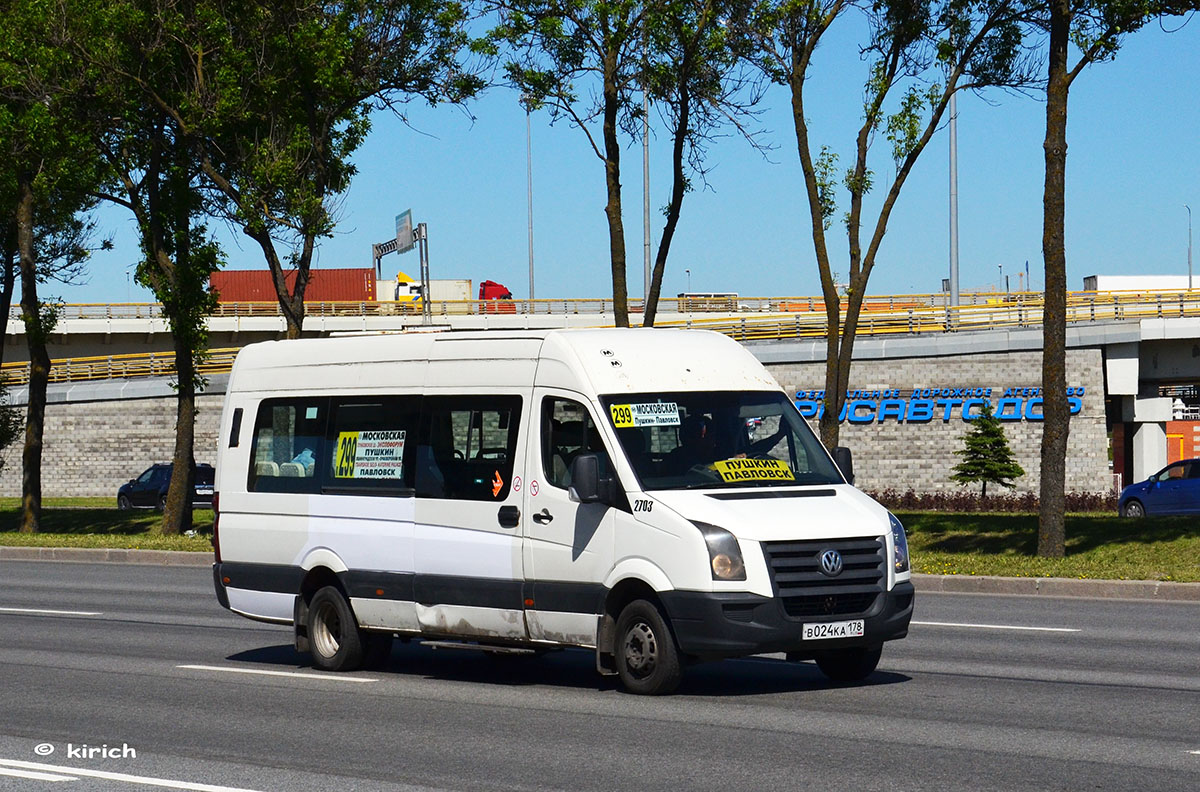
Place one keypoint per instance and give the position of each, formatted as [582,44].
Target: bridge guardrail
[897,315]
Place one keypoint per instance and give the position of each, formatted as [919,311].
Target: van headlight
[900,542]
[724,553]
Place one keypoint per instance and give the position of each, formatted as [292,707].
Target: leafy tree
[582,60]
[154,167]
[697,74]
[986,457]
[1096,28]
[49,170]
[283,100]
[919,54]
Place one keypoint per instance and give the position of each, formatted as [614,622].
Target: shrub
[963,500]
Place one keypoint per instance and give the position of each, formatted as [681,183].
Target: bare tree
[919,54]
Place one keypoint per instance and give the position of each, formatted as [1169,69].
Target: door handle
[509,516]
[543,517]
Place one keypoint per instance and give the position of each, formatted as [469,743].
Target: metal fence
[758,318]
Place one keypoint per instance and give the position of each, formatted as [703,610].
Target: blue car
[1173,490]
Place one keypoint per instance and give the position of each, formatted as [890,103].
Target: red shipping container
[324,285]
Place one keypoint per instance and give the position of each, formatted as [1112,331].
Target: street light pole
[1185,206]
[954,294]
[529,190]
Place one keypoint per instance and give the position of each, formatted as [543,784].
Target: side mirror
[586,485]
[845,462]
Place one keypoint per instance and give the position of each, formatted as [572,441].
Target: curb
[182,558]
[949,584]
[1060,587]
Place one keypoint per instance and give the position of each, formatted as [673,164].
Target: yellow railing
[787,317]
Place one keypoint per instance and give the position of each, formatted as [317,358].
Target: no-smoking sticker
[516,483]
[533,487]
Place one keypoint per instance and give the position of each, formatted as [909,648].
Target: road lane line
[129,779]
[45,612]
[997,627]
[263,672]
[35,776]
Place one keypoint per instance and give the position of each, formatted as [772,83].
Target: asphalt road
[1103,694]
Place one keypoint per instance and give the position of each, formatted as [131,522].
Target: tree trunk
[1056,416]
[832,403]
[678,188]
[39,364]
[291,304]
[612,178]
[177,515]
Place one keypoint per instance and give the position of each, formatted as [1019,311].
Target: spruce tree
[986,456]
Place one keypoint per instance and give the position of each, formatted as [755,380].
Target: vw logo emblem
[831,563]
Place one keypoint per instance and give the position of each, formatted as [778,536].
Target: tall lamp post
[1185,206]
[954,293]
[529,189]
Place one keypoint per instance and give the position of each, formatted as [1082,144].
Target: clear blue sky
[1133,162]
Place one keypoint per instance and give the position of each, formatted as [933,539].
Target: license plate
[204,491]
[842,629]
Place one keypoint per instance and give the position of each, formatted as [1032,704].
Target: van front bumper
[715,625]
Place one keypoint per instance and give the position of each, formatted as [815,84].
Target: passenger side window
[567,431]
[371,445]
[466,447]
[289,440]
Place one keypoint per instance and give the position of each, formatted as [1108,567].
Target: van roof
[609,360]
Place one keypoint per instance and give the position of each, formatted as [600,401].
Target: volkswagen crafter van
[650,494]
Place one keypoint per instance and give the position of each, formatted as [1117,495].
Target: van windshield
[711,439]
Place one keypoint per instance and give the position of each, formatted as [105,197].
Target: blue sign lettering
[922,404]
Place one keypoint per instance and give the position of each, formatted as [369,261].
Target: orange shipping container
[324,285]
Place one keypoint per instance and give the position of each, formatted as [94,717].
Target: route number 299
[622,415]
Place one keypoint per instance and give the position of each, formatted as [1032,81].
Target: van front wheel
[646,655]
[849,665]
[333,636]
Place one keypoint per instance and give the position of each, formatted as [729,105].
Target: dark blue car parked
[1173,490]
[149,490]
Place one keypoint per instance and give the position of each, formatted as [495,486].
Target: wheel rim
[1134,510]
[325,630]
[641,650]
[123,503]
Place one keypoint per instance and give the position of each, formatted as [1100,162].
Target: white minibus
[649,494]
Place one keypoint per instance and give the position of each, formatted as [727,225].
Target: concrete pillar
[1149,450]
[1146,423]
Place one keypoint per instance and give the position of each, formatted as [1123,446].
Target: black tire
[645,651]
[123,503]
[1134,509]
[849,665]
[162,503]
[333,636]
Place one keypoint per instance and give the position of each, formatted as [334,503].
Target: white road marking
[997,627]
[44,612]
[129,779]
[1197,753]
[34,775]
[263,672]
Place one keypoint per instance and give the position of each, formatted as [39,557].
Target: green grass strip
[1098,547]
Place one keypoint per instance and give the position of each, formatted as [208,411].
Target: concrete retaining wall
[921,456]
[92,447]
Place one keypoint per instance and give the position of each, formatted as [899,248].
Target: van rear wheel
[645,651]
[849,665]
[333,636]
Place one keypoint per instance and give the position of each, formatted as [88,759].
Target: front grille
[805,591]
